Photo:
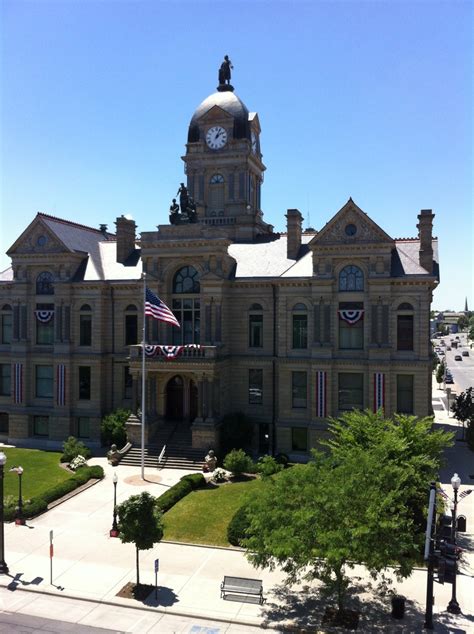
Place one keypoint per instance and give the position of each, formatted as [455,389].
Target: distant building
[288,328]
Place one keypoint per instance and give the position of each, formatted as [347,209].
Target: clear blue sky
[365,99]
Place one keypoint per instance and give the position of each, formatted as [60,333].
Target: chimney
[294,220]
[125,238]
[425,235]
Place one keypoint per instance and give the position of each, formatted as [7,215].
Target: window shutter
[317,323]
[327,324]
[385,323]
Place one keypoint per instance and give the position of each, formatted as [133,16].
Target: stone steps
[176,457]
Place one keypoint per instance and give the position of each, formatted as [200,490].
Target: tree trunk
[138,568]
[340,585]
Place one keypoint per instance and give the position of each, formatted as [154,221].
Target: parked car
[465,353]
[448,348]
[458,357]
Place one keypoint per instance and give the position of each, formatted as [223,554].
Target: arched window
[85,325]
[131,325]
[6,324]
[300,326]
[186,280]
[187,309]
[256,326]
[44,284]
[216,193]
[405,327]
[351,278]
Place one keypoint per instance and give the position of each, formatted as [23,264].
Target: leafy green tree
[359,502]
[463,409]
[440,371]
[112,428]
[463,322]
[140,522]
[267,466]
[238,462]
[72,447]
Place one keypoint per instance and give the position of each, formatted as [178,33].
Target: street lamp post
[19,521]
[453,605]
[114,531]
[3,563]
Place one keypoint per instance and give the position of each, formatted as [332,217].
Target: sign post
[157,567]
[51,553]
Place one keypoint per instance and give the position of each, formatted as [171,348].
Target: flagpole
[143,379]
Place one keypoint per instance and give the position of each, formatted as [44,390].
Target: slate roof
[405,260]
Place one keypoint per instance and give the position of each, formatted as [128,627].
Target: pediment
[215,114]
[37,239]
[351,225]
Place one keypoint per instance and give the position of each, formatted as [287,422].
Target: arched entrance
[175,398]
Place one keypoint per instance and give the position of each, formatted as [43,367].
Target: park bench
[241,585]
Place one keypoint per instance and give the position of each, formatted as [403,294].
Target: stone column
[200,391]
[210,400]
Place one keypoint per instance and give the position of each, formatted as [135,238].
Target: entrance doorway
[175,398]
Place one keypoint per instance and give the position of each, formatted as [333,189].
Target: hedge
[236,530]
[39,504]
[180,490]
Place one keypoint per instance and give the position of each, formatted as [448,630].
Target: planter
[398,607]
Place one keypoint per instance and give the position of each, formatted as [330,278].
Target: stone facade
[289,329]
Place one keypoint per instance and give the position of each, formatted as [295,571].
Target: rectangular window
[405,394]
[188,313]
[351,336]
[5,379]
[45,331]
[299,439]
[44,381]
[6,327]
[83,427]
[351,391]
[300,331]
[127,383]
[131,330]
[84,382]
[85,330]
[255,387]
[405,332]
[298,389]
[40,426]
[255,331]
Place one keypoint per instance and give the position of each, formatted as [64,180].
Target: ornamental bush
[72,447]
[236,530]
[113,430]
[267,466]
[238,462]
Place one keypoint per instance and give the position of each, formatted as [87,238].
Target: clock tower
[224,165]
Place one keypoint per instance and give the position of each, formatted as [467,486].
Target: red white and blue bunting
[351,316]
[169,352]
[18,383]
[321,404]
[61,384]
[379,391]
[44,316]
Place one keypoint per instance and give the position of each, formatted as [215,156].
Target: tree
[360,502]
[463,322]
[440,372]
[112,428]
[140,522]
[463,409]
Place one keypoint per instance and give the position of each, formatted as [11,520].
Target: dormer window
[44,284]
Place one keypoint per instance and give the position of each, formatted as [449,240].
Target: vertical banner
[321,407]
[379,391]
[18,383]
[61,384]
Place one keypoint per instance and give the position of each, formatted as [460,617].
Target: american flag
[158,309]
[464,493]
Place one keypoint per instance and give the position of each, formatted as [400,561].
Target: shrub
[195,479]
[77,463]
[238,462]
[236,432]
[267,466]
[236,530]
[174,495]
[470,434]
[112,428]
[73,448]
[282,459]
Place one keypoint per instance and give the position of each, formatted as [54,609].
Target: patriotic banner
[169,352]
[379,391]
[61,384]
[321,403]
[44,315]
[464,493]
[18,383]
[157,309]
[351,316]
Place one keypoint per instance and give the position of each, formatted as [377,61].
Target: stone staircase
[179,453]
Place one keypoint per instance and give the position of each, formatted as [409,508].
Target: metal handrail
[162,453]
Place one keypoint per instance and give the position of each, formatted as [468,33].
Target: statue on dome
[224,71]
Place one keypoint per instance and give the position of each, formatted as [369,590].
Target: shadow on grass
[302,610]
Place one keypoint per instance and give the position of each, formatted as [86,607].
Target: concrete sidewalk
[89,568]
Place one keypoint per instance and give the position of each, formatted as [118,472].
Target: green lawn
[202,516]
[41,471]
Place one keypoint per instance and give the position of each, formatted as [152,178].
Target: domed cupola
[229,103]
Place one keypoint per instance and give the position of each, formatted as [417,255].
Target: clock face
[254,142]
[216,137]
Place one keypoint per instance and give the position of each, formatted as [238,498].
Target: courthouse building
[288,328]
